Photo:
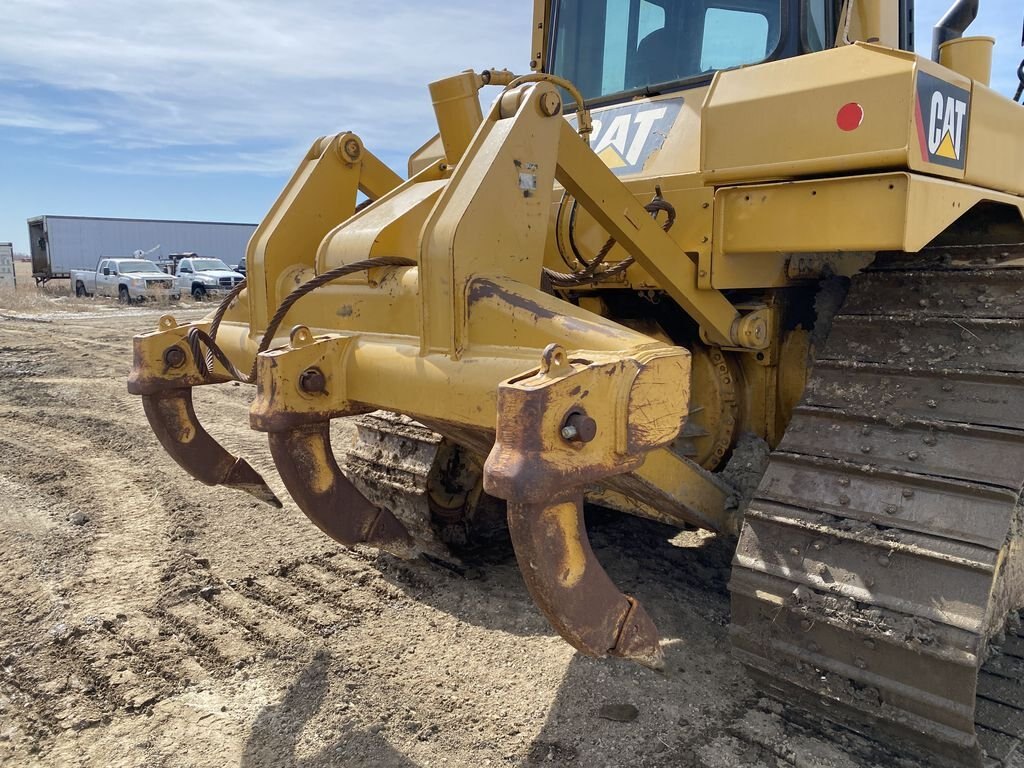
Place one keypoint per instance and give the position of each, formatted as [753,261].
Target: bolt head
[174,357]
[312,381]
[550,104]
[579,428]
[352,150]
[752,331]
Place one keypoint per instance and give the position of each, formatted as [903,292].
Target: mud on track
[178,625]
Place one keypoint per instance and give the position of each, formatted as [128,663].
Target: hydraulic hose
[591,273]
[584,125]
[198,339]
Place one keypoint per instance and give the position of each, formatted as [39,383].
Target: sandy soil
[150,621]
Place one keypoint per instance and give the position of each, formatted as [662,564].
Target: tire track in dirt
[127,554]
[189,626]
[181,629]
[124,530]
[82,646]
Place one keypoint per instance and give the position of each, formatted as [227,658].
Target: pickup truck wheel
[199,293]
[123,296]
[80,290]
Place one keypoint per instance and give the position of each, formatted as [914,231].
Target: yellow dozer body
[758,230]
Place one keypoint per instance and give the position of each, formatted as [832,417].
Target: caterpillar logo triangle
[946,148]
[943,118]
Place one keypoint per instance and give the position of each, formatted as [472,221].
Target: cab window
[733,38]
[607,47]
[820,24]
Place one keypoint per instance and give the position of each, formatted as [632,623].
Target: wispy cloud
[243,86]
[187,161]
[47,123]
[195,75]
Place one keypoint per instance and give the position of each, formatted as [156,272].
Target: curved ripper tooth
[173,418]
[306,462]
[573,590]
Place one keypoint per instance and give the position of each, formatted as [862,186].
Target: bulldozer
[749,266]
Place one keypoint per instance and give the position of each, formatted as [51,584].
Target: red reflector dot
[850,116]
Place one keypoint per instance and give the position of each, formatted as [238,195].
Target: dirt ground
[150,621]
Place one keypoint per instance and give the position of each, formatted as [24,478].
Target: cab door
[103,278]
[185,274]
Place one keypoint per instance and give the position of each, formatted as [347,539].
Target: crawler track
[880,562]
[431,485]
[390,463]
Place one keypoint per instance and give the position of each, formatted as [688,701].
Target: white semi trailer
[60,244]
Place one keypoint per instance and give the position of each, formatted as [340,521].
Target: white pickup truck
[204,278]
[129,280]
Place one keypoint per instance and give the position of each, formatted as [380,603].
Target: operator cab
[615,50]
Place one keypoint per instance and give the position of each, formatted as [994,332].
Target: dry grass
[54,296]
[55,299]
[30,300]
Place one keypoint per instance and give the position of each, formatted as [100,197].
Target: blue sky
[200,109]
